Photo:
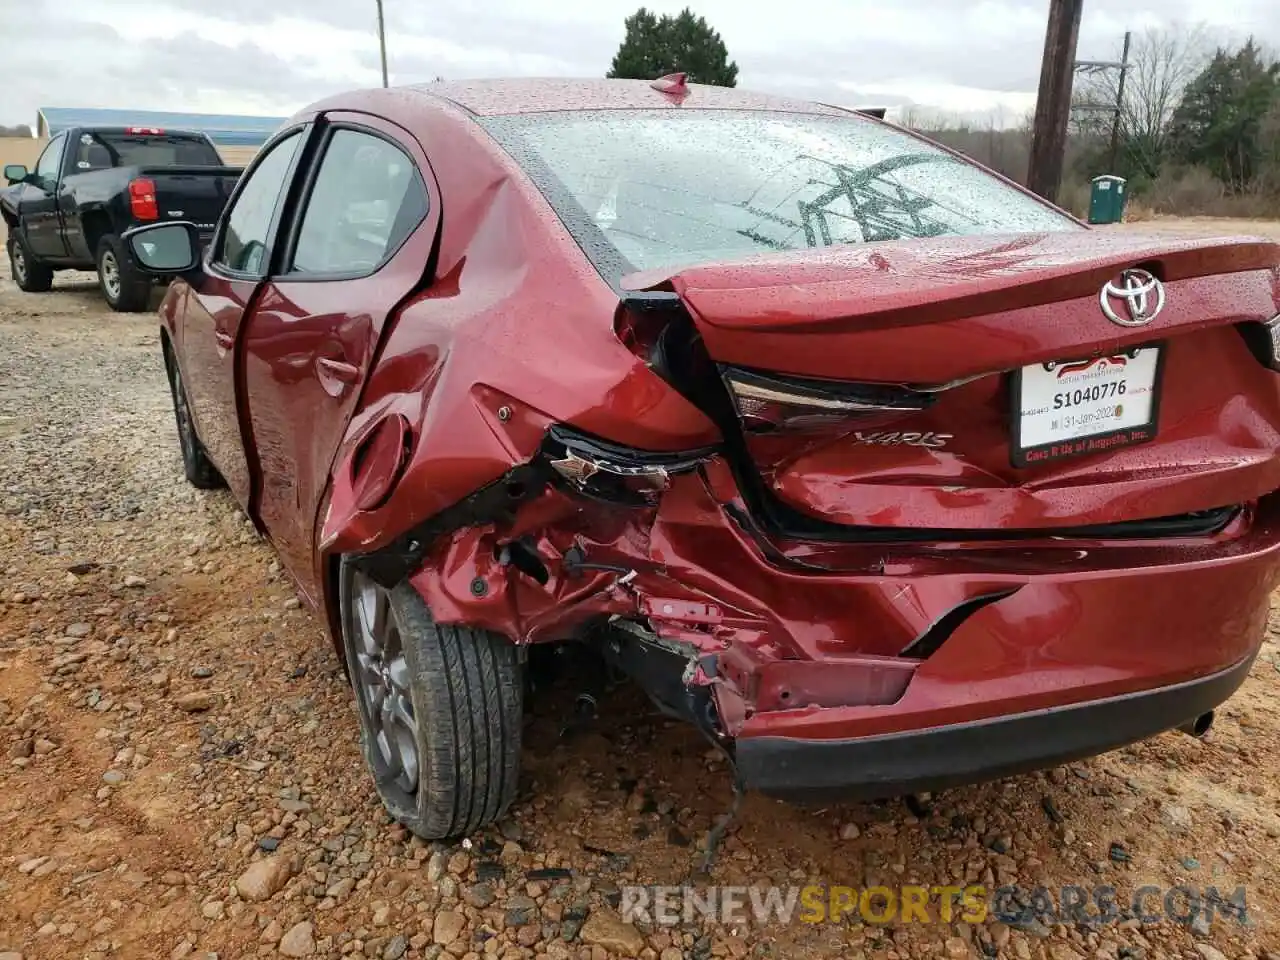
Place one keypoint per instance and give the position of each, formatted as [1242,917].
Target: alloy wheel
[19,261]
[111,275]
[380,675]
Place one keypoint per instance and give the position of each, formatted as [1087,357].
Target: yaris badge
[1133,300]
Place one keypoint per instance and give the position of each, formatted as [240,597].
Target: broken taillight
[766,402]
[612,472]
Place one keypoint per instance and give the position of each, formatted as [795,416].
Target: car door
[85,154]
[360,244]
[235,271]
[39,205]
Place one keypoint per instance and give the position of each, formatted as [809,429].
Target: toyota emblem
[1132,300]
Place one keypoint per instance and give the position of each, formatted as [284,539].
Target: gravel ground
[179,774]
[1207,226]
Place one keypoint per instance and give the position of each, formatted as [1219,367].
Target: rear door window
[367,198]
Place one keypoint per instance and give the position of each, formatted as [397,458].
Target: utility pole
[1053,103]
[1115,123]
[382,43]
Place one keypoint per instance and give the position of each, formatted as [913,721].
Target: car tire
[452,694]
[29,274]
[200,471]
[124,287]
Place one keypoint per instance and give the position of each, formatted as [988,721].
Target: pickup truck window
[244,244]
[367,199]
[103,150]
[49,162]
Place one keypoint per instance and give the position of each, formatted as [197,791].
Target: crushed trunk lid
[1019,402]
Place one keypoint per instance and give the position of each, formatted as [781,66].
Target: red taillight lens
[765,402]
[142,199]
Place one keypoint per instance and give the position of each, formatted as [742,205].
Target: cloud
[273,56]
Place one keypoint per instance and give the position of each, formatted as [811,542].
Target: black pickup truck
[90,185]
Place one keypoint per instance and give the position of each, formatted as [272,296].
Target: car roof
[491,98]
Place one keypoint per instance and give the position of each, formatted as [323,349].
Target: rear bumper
[868,669]
[931,759]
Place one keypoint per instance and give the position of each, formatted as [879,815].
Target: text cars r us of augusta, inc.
[879,470]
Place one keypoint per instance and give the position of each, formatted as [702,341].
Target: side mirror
[165,249]
[16,173]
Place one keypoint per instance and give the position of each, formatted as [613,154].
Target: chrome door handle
[338,369]
[336,375]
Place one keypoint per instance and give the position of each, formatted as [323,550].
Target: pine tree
[656,46]
[1220,122]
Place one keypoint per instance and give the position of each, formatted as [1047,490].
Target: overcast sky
[273,56]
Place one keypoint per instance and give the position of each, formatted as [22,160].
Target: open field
[169,717]
[1207,226]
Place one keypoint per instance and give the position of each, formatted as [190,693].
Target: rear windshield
[100,151]
[641,189]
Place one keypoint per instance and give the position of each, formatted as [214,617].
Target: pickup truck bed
[91,185]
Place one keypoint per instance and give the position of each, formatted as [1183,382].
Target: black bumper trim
[887,765]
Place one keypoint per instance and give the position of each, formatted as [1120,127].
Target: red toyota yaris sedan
[881,471]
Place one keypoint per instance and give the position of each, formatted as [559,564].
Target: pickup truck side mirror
[16,173]
[165,249]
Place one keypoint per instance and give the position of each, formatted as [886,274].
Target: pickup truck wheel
[28,273]
[440,708]
[124,287]
[200,471]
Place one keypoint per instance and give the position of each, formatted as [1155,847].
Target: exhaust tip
[1198,726]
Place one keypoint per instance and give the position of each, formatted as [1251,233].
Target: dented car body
[884,486]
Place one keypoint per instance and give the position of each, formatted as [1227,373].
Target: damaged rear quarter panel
[513,333]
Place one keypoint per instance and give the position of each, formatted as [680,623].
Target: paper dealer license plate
[1078,407]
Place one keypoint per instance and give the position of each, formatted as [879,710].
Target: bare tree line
[1198,130]
[1162,62]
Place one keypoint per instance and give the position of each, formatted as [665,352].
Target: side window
[92,154]
[50,161]
[367,199]
[244,243]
